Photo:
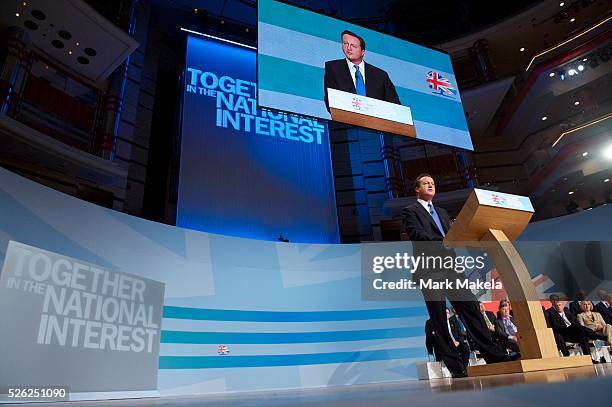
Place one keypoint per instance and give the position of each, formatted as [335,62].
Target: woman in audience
[594,320]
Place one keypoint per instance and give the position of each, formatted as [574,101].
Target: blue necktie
[436,219]
[359,84]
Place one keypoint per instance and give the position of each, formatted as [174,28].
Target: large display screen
[244,171]
[301,54]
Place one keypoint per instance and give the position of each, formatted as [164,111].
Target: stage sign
[68,322]
[244,171]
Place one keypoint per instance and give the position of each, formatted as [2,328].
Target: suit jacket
[430,337]
[606,312]
[590,322]
[456,329]
[556,321]
[492,318]
[574,308]
[500,328]
[377,82]
[420,225]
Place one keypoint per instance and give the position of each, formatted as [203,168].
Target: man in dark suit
[506,327]
[490,320]
[565,324]
[352,74]
[574,306]
[604,307]
[426,223]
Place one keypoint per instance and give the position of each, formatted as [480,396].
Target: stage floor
[577,386]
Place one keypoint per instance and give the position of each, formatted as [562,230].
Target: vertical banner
[248,172]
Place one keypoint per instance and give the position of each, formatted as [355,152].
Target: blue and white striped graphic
[293,45]
[290,315]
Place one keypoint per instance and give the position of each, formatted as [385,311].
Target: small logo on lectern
[358,103]
[498,200]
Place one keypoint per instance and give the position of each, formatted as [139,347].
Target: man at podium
[352,74]
[426,223]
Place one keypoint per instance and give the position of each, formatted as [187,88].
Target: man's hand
[456,344]
[512,338]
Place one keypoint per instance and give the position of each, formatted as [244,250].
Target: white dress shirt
[425,204]
[352,70]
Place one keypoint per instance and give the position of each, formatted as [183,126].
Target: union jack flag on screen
[440,84]
[222,350]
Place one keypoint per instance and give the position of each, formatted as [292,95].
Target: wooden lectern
[372,113]
[491,220]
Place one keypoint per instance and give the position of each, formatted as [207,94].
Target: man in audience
[506,328]
[460,343]
[489,319]
[570,330]
[431,340]
[604,307]
[574,306]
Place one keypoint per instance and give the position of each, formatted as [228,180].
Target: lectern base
[529,365]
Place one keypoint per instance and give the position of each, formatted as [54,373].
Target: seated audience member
[594,320]
[506,328]
[604,307]
[489,319]
[574,306]
[460,342]
[564,324]
[431,340]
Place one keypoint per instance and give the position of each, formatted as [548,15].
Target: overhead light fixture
[551,74]
[195,10]
[561,4]
[572,72]
[576,103]
[581,67]
[572,20]
[585,153]
[17,14]
[570,193]
[522,49]
[608,152]
[544,118]
[607,180]
[585,59]
[77,44]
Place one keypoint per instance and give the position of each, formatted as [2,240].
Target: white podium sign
[381,109]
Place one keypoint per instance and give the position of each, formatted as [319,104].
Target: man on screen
[352,74]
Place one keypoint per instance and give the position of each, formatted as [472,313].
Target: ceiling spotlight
[571,193]
[572,20]
[607,180]
[25,3]
[572,72]
[69,52]
[551,74]
[17,14]
[581,67]
[195,10]
[544,118]
[522,49]
[77,44]
[585,59]
[585,153]
[561,4]
[608,152]
[576,103]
